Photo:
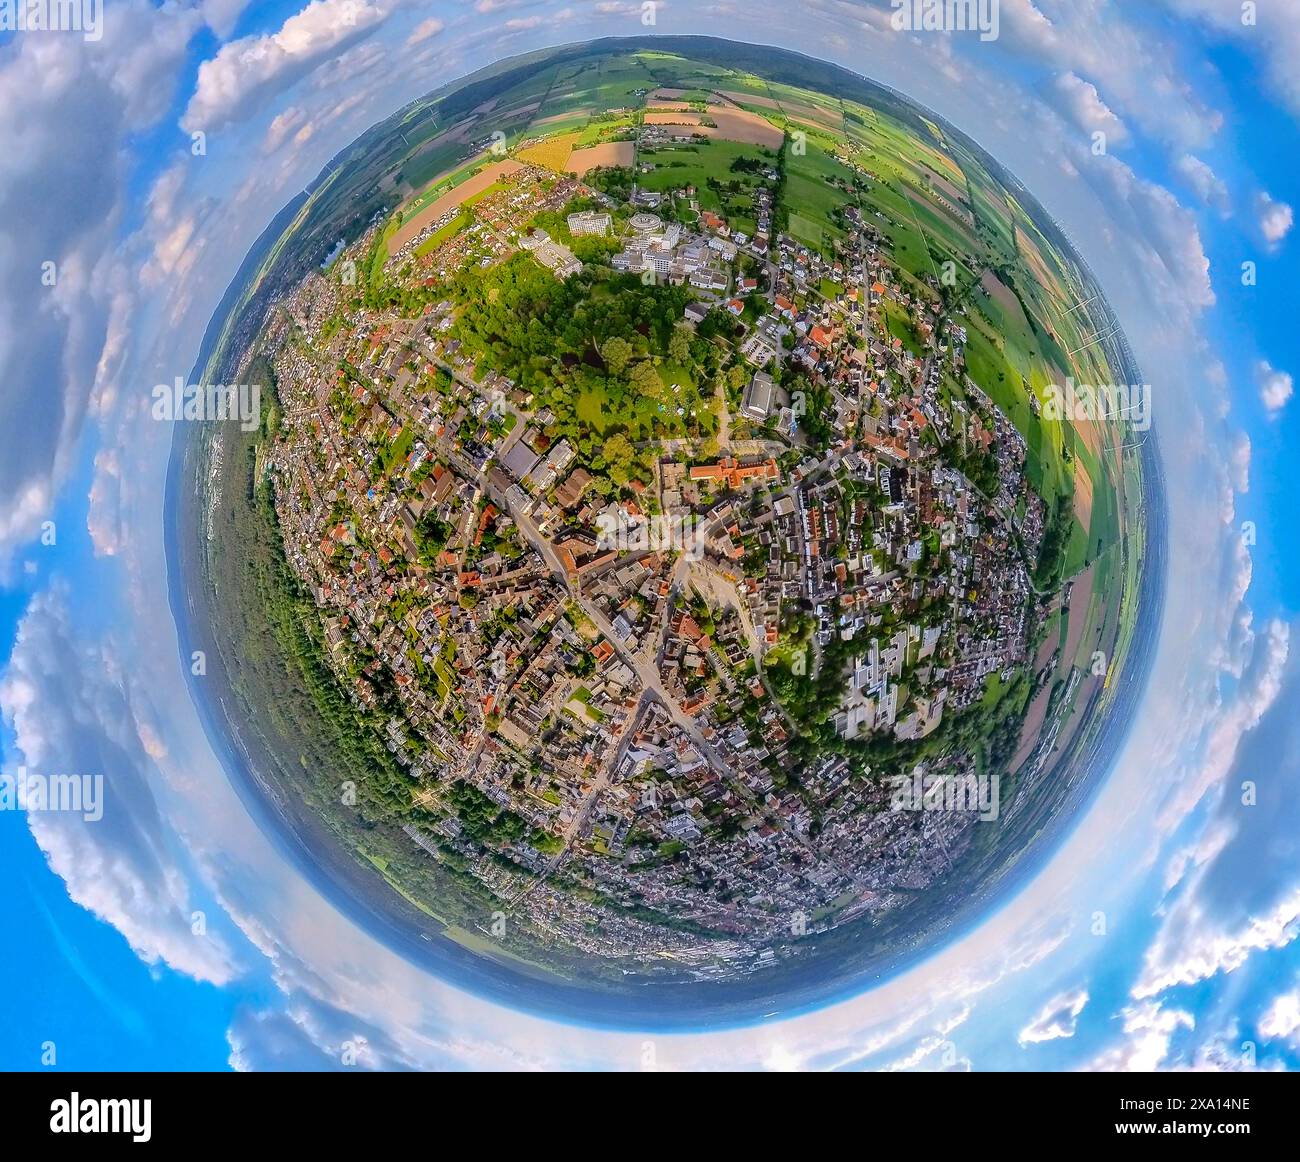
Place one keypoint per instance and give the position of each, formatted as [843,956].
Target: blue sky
[1198,966]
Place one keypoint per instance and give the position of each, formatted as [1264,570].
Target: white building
[590,222]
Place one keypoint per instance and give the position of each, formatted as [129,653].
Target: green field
[449,231]
[699,165]
[812,199]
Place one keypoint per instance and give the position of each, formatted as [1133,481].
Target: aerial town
[650,658]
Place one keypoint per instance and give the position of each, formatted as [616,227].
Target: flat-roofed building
[590,222]
[520,460]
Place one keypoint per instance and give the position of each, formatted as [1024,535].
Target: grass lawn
[900,327]
[593,408]
[697,164]
[449,231]
[810,232]
[672,373]
[394,456]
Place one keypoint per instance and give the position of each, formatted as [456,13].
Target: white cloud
[1281,1020]
[1080,102]
[1149,1031]
[284,125]
[1275,387]
[223,15]
[1130,68]
[1239,461]
[1027,27]
[70,708]
[170,231]
[1274,219]
[1193,946]
[1273,37]
[63,180]
[1162,233]
[1203,181]
[1058,1018]
[1194,942]
[425,30]
[1261,682]
[103,517]
[247,72]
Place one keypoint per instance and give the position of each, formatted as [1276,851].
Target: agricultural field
[614,153]
[932,199]
[459,193]
[454,227]
[551,153]
[815,192]
[724,123]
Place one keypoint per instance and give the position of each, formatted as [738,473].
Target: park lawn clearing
[593,409]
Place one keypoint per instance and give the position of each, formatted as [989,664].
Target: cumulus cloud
[1106,65]
[71,712]
[1195,941]
[1203,181]
[1082,105]
[1275,42]
[1027,27]
[1281,1020]
[103,517]
[310,1036]
[63,180]
[1261,680]
[1273,218]
[1195,947]
[223,15]
[284,125]
[1058,1018]
[1162,233]
[170,231]
[1149,1031]
[1275,387]
[247,72]
[1239,461]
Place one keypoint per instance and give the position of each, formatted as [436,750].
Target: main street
[646,672]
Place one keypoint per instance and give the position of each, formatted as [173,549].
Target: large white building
[590,222]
